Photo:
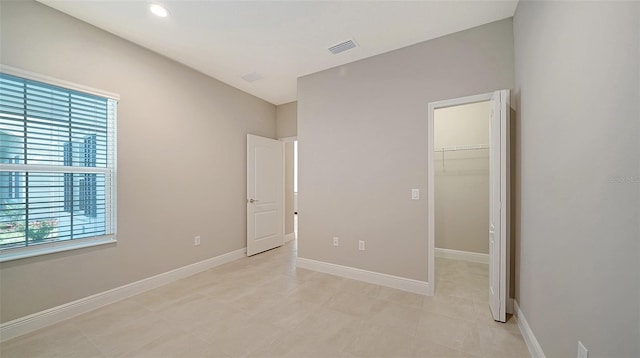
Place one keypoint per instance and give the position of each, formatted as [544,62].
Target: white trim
[431,203]
[462,100]
[289,237]
[529,338]
[400,283]
[112,147]
[288,139]
[14,71]
[23,252]
[57,314]
[462,255]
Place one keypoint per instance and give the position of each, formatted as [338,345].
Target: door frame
[431,189]
[291,139]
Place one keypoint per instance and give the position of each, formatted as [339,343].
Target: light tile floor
[264,307]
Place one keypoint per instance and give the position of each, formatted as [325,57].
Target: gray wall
[577,125]
[461,187]
[181,158]
[287,119]
[362,131]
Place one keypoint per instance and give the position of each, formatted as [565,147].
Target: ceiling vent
[252,77]
[341,47]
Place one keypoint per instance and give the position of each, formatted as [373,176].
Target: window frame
[15,253]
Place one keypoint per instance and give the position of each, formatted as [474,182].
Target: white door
[265,194]
[498,204]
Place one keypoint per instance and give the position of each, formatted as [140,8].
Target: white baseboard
[529,338]
[400,283]
[289,237]
[60,313]
[462,255]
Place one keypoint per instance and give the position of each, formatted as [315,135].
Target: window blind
[57,164]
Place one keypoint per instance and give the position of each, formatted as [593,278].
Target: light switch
[415,194]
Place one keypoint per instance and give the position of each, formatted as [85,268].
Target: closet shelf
[461,147]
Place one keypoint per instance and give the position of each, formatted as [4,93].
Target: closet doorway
[467,199]
[290,188]
[461,158]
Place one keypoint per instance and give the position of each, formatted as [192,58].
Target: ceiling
[279,41]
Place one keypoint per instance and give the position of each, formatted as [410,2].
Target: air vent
[252,77]
[341,47]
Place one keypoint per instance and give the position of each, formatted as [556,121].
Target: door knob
[253,201]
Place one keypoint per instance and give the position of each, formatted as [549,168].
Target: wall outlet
[196,241]
[336,241]
[361,245]
[582,351]
[415,194]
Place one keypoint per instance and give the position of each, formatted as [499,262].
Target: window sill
[60,246]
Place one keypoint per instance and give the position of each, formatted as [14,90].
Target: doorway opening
[295,189]
[467,161]
[461,185]
[290,188]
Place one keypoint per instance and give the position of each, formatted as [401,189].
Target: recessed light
[158,10]
[252,77]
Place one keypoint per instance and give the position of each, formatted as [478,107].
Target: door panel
[266,224]
[498,205]
[265,194]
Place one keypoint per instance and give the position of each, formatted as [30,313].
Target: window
[57,166]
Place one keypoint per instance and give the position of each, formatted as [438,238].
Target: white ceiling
[279,40]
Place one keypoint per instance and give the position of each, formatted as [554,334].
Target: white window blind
[57,168]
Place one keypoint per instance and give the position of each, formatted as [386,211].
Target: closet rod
[461,147]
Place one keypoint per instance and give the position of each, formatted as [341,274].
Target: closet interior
[461,168]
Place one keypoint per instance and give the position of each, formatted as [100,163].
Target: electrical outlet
[415,194]
[582,351]
[336,241]
[361,245]
[196,241]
